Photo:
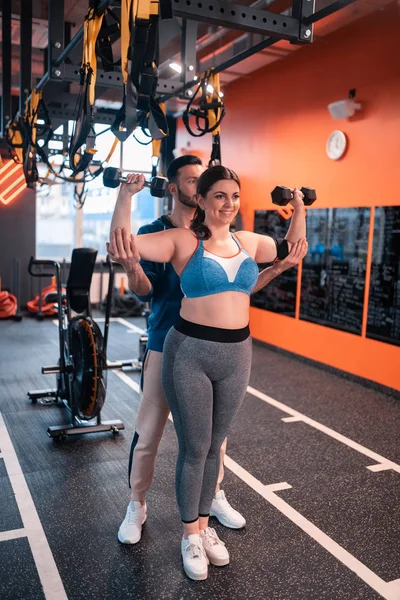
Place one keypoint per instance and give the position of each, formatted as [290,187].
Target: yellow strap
[214,97]
[112,149]
[92,27]
[32,112]
[130,11]
[146,8]
[17,140]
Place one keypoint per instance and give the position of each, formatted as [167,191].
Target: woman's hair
[204,184]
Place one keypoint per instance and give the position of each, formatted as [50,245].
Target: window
[62,227]
[55,218]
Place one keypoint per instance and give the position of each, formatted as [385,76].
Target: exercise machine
[81,371]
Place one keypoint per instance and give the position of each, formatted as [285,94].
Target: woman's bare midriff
[227,310]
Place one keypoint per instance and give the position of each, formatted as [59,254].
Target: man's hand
[296,254]
[122,249]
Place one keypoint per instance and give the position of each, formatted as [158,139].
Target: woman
[207,354]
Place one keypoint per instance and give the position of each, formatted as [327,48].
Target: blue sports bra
[206,273]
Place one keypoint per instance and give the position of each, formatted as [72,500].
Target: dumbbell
[112,178]
[282,195]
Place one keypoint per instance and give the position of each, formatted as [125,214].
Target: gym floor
[313,464]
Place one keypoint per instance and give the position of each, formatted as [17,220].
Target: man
[159,284]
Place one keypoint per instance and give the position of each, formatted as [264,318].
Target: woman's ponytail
[198,226]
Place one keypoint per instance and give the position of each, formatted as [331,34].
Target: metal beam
[25,68]
[245,54]
[236,16]
[113,79]
[66,114]
[328,10]
[301,10]
[6,65]
[103,5]
[188,51]
[56,30]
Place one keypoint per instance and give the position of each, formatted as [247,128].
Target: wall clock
[336,145]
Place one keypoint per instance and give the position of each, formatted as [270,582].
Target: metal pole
[325,12]
[56,31]
[242,55]
[6,64]
[188,51]
[25,68]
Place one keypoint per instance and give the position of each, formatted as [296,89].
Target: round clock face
[336,145]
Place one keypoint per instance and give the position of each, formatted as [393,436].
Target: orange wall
[275,133]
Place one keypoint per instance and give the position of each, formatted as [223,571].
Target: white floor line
[380,467]
[395,585]
[389,591]
[327,430]
[277,487]
[48,573]
[130,325]
[12,534]
[126,379]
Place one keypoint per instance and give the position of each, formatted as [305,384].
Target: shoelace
[211,534]
[224,505]
[195,550]
[133,516]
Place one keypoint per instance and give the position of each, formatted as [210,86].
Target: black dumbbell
[112,177]
[282,195]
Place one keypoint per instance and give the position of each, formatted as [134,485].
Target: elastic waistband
[212,334]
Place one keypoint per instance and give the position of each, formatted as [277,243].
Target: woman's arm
[155,247]
[265,248]
[297,253]
[297,228]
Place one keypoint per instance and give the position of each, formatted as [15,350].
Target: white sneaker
[215,548]
[130,530]
[226,515]
[195,561]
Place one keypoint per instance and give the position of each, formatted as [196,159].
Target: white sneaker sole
[129,543]
[218,562]
[195,576]
[226,523]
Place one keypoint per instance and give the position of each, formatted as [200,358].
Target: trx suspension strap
[30,118]
[208,114]
[83,129]
[156,145]
[14,139]
[22,134]
[215,117]
[139,57]
[104,41]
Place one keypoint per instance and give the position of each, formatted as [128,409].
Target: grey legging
[204,381]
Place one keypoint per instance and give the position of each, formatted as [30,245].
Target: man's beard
[189,201]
